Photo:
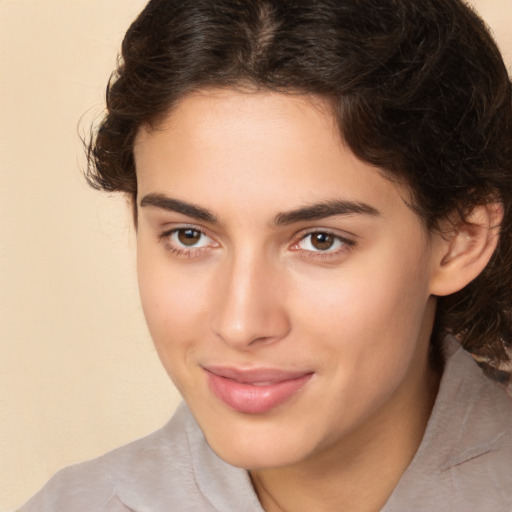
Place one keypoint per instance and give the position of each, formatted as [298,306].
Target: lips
[254,391]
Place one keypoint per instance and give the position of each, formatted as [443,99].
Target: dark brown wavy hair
[418,87]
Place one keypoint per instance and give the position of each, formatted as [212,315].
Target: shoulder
[126,477]
[465,459]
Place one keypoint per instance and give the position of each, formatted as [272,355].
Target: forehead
[264,147]
[205,115]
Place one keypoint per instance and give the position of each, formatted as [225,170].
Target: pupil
[322,241]
[188,236]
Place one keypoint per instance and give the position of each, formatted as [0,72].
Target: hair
[419,89]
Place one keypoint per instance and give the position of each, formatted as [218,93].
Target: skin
[252,292]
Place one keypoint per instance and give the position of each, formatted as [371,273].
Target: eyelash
[346,245]
[194,252]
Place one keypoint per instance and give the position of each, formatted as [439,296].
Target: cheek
[175,314]
[372,308]
[365,328]
[175,306]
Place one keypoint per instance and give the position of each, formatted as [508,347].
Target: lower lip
[251,399]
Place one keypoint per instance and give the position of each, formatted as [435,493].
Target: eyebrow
[307,213]
[175,205]
[323,210]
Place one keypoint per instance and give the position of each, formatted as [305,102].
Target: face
[285,282]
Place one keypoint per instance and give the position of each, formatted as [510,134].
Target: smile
[255,391]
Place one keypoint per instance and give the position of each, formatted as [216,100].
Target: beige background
[78,373]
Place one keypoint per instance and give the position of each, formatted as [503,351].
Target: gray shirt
[464,462]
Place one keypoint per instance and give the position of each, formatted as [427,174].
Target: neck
[360,471]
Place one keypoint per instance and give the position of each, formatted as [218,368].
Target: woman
[323,201]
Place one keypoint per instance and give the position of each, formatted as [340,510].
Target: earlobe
[462,254]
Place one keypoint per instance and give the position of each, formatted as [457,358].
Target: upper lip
[256,375]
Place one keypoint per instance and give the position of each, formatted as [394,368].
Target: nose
[250,309]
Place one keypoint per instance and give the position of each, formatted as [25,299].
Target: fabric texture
[464,463]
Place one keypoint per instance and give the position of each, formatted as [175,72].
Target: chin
[252,455]
[257,442]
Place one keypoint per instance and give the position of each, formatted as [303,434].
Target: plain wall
[78,373]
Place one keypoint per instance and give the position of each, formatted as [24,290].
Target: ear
[462,254]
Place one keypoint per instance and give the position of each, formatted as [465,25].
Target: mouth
[257,390]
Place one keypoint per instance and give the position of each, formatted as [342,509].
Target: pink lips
[254,391]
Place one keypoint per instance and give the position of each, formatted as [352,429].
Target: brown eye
[322,241]
[189,237]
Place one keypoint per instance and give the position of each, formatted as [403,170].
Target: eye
[188,237]
[321,241]
[188,242]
